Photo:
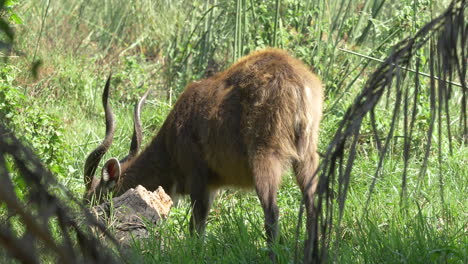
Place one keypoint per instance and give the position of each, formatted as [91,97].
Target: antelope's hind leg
[267,174]
[305,170]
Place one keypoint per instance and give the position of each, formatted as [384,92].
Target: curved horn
[92,161]
[137,134]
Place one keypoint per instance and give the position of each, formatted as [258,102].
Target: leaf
[17,19]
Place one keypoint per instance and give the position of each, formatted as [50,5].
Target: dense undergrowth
[163,45]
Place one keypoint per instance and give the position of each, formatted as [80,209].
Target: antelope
[242,127]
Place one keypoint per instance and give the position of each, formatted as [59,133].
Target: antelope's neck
[147,169]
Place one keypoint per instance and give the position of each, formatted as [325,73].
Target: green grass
[421,231]
[170,44]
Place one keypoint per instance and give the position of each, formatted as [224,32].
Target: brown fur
[242,127]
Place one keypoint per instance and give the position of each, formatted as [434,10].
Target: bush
[30,122]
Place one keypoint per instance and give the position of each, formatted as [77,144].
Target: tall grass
[165,44]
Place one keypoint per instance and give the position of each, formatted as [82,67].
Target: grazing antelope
[242,127]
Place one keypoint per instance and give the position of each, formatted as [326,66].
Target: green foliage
[10,97]
[163,45]
[130,80]
[9,11]
[43,132]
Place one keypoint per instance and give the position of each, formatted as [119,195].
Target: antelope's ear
[111,170]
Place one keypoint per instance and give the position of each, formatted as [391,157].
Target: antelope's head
[98,188]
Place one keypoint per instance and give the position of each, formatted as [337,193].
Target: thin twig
[41,30]
[401,67]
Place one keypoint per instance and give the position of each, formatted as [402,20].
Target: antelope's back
[264,104]
[281,101]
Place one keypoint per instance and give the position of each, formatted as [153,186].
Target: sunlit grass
[164,44]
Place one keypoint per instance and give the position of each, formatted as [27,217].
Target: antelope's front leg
[201,199]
